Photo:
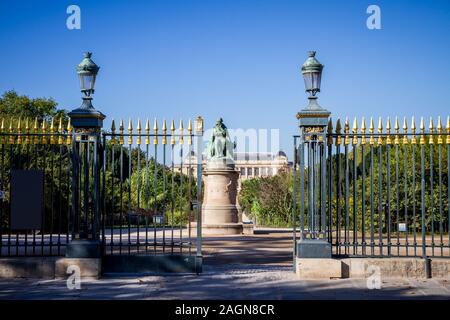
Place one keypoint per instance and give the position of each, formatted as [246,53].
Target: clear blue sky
[235,59]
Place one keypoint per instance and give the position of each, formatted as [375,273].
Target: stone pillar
[87,123]
[220,213]
[313,121]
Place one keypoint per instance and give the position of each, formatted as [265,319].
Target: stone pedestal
[220,214]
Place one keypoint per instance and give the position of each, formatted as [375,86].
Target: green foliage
[20,106]
[268,200]
[148,191]
[404,200]
[27,156]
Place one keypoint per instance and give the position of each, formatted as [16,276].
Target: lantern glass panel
[312,82]
[87,82]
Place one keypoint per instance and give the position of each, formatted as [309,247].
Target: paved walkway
[245,267]
[230,282]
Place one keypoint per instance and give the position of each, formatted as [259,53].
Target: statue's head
[219,121]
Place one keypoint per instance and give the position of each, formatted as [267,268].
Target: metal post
[313,121]
[199,256]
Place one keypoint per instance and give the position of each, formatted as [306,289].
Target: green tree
[269,200]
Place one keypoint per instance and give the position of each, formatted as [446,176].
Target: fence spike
[413,131]
[138,127]
[2,129]
[346,131]
[147,132]
[405,131]
[431,127]
[121,130]
[439,130]
[11,131]
[44,131]
[397,129]
[155,129]
[52,131]
[69,132]
[448,130]
[60,131]
[181,128]
[330,132]
[138,130]
[190,132]
[19,131]
[36,125]
[363,131]
[69,125]
[380,131]
[172,133]
[388,131]
[371,132]
[130,132]
[422,131]
[355,131]
[27,131]
[164,130]
[338,132]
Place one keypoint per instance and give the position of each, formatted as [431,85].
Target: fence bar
[391,214]
[294,205]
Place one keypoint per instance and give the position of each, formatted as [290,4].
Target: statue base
[219,229]
[220,213]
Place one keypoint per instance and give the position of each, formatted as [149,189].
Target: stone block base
[388,267]
[219,229]
[440,268]
[48,267]
[28,267]
[362,268]
[248,228]
[318,268]
[313,248]
[90,268]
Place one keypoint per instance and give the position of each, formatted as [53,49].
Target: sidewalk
[244,267]
[228,282]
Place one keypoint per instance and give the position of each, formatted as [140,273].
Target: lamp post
[86,149]
[86,116]
[313,120]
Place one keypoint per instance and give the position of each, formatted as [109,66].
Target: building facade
[250,165]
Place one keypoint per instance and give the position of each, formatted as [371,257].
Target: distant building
[249,164]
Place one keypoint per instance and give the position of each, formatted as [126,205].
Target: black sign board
[27,199]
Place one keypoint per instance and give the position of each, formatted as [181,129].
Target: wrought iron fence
[149,205]
[120,188]
[381,192]
[40,147]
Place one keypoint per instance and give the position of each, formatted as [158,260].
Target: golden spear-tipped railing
[190,132]
[330,132]
[433,134]
[138,129]
[172,132]
[164,132]
[155,131]
[69,132]
[338,132]
[130,133]
[147,132]
[346,132]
